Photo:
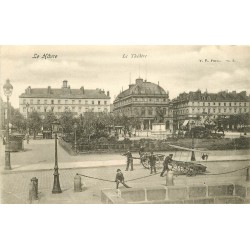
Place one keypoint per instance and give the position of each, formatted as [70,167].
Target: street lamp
[75,127]
[192,128]
[56,186]
[8,88]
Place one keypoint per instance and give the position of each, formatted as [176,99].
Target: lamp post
[193,154]
[8,88]
[56,185]
[75,127]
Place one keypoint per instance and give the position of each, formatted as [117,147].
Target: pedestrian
[120,179]
[167,160]
[152,161]
[141,152]
[27,138]
[129,160]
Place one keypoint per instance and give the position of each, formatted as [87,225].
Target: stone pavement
[15,185]
[39,155]
[38,161]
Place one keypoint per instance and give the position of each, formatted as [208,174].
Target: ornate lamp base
[56,186]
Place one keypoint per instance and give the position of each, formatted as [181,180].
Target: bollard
[77,183]
[170,178]
[34,180]
[33,189]
[248,177]
[31,192]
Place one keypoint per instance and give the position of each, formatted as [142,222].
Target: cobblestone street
[38,161]
[15,186]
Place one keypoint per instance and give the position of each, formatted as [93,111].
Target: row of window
[140,100]
[232,110]
[65,102]
[61,109]
[142,111]
[229,104]
[221,104]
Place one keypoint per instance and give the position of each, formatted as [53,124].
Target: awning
[185,123]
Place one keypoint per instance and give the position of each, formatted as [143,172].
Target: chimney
[130,86]
[49,90]
[65,83]
[28,90]
[82,90]
[108,93]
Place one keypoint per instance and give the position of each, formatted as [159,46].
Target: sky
[176,68]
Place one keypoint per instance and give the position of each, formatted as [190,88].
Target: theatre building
[142,99]
[59,100]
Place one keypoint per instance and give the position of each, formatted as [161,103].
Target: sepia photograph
[125,124]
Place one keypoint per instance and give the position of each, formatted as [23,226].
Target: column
[142,126]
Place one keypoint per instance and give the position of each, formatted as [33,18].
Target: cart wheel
[195,172]
[145,162]
[183,169]
[189,172]
[192,172]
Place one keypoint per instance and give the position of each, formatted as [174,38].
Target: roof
[64,93]
[142,88]
[220,96]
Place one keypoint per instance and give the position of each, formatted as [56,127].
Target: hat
[118,170]
[151,152]
[170,154]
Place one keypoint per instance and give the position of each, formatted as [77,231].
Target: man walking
[141,152]
[167,160]
[152,161]
[129,160]
[120,179]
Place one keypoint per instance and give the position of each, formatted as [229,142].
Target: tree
[242,120]
[48,120]
[67,122]
[34,122]
[18,120]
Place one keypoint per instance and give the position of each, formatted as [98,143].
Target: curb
[101,166]
[60,169]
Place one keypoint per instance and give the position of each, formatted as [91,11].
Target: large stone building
[190,105]
[62,99]
[143,100]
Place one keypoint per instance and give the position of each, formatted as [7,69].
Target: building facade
[63,99]
[191,105]
[143,100]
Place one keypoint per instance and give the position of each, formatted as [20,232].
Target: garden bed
[106,146]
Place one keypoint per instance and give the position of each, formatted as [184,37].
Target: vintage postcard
[125,124]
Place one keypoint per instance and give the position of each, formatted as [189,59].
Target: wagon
[187,168]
